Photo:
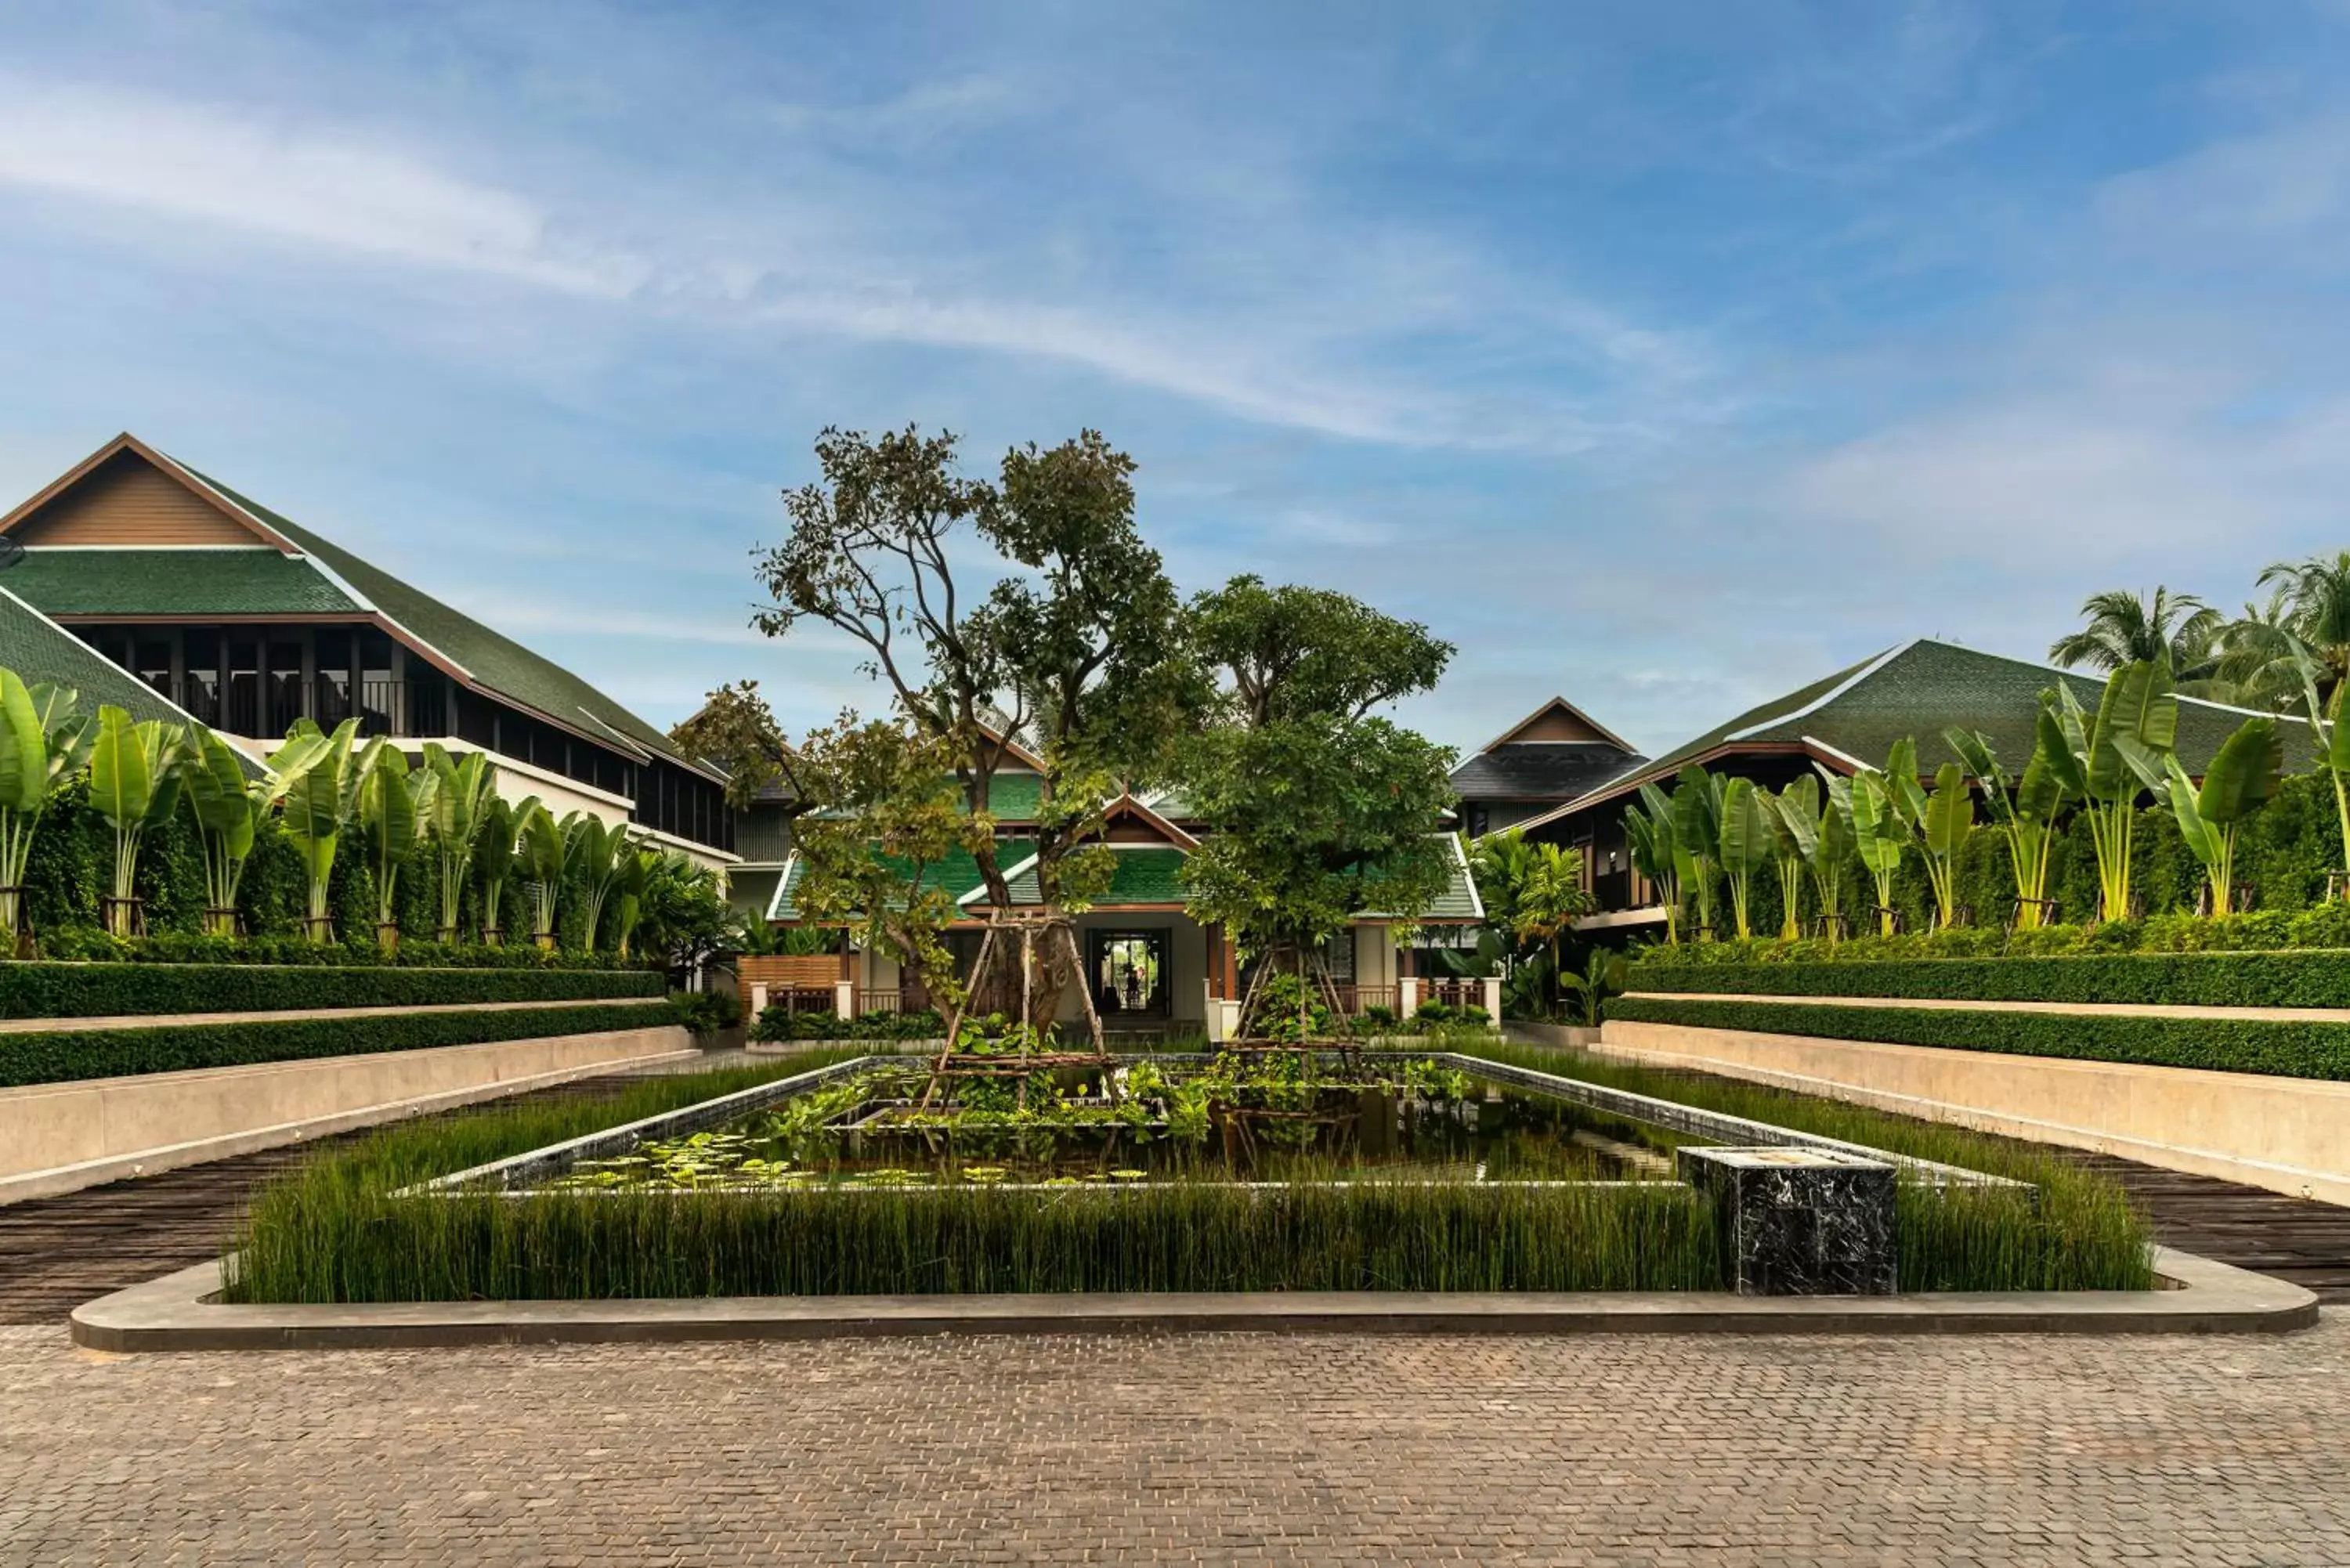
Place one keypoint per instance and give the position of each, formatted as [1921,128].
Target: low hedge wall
[356,949]
[43,990]
[61,1055]
[2225,1044]
[2296,978]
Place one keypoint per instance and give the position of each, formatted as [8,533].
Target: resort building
[1553,755]
[1841,723]
[1149,966]
[234,615]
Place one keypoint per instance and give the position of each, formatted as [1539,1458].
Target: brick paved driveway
[1216,1448]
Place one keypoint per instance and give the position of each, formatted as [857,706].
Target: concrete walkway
[1257,1448]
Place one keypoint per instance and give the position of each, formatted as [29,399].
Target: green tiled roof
[1147,874]
[1922,689]
[496,660]
[1458,901]
[228,581]
[1013,797]
[38,649]
[955,875]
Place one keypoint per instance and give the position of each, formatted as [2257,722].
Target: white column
[1408,995]
[758,998]
[844,997]
[1493,998]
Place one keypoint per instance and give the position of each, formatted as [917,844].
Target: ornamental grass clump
[339,1241]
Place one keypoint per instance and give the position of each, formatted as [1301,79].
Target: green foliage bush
[2308,977]
[2323,927]
[780,1023]
[2292,1049]
[708,1012]
[62,1055]
[84,944]
[41,990]
[73,854]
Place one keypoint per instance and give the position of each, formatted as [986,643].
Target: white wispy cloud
[1302,344]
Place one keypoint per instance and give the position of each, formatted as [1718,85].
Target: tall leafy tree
[889,820]
[1320,810]
[2121,628]
[2306,625]
[1029,610]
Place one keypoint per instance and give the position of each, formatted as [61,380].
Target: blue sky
[1664,356]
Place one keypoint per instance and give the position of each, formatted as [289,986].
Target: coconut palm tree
[2123,628]
[2316,594]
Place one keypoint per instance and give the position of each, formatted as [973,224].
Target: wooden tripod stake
[1051,922]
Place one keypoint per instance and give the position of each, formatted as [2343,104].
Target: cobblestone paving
[1212,1448]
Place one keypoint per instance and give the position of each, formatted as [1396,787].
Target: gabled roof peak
[1558,722]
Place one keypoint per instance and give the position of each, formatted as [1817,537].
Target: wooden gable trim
[1557,705]
[127,442]
[1127,806]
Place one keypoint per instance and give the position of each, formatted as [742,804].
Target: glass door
[1129,974]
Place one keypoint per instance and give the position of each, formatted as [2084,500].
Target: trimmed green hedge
[2304,979]
[87,944]
[68,1055]
[2224,1044]
[100,989]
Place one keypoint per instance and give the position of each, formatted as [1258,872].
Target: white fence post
[1493,998]
[844,997]
[758,998]
[1408,995]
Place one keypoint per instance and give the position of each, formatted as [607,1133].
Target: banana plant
[134,784]
[461,792]
[394,806]
[1865,803]
[628,896]
[1697,839]
[2242,776]
[2026,817]
[2332,743]
[496,854]
[1778,813]
[1648,830]
[2107,758]
[1948,823]
[598,853]
[1822,829]
[318,776]
[44,739]
[1745,843]
[541,859]
[229,809]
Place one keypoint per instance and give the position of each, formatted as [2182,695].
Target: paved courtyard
[1212,1448]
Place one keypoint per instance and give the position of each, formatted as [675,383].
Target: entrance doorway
[1129,974]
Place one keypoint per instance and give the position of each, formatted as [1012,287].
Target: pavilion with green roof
[193,599]
[1849,719]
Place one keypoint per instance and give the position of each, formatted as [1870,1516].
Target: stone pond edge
[179,1312]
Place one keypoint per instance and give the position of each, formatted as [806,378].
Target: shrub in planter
[708,1012]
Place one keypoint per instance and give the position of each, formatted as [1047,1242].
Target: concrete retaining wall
[2288,1135]
[56,1138]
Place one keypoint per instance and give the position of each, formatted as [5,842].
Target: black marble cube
[1799,1222]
